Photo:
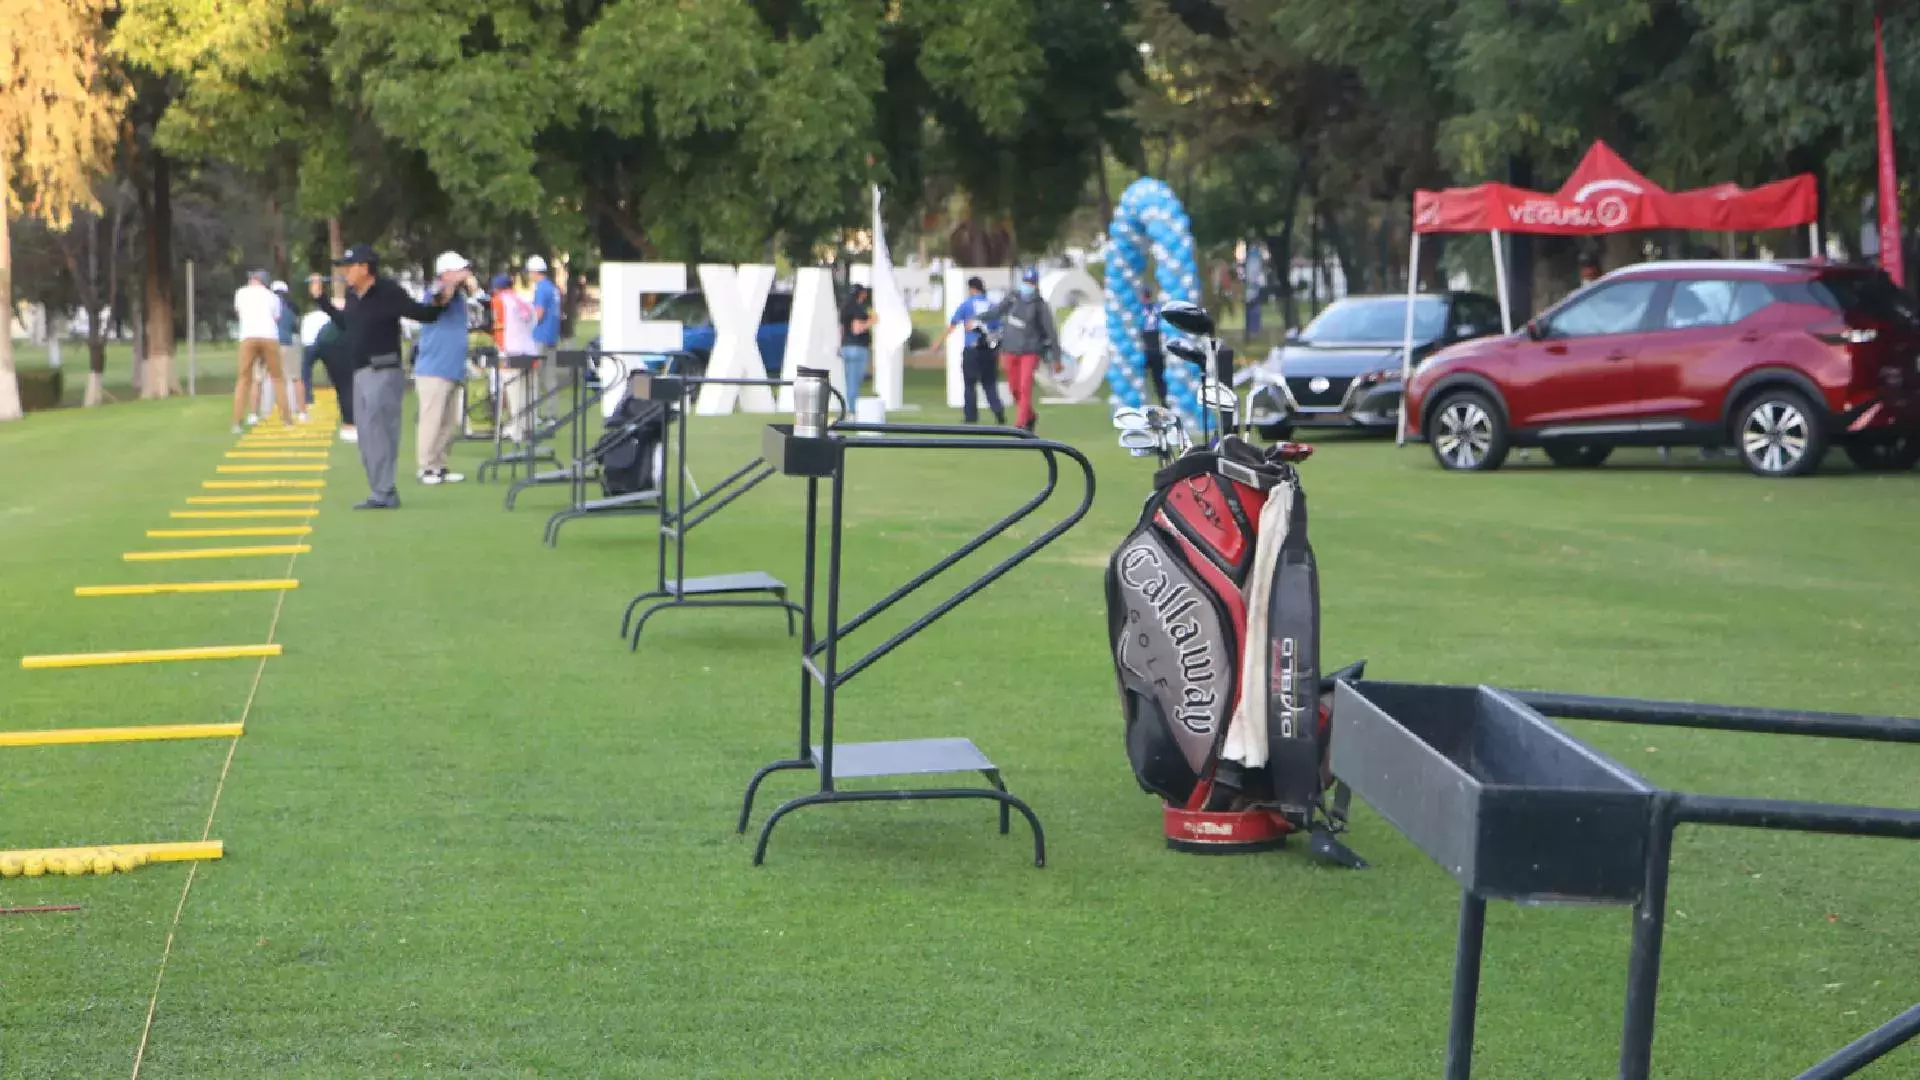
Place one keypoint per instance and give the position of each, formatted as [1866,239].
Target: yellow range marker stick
[243,500]
[281,448]
[217,553]
[180,852]
[146,733]
[211,534]
[238,515]
[290,455]
[269,468]
[259,485]
[147,656]
[174,588]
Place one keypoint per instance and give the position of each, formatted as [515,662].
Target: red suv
[1778,360]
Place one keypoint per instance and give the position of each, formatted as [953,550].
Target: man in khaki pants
[440,367]
[259,314]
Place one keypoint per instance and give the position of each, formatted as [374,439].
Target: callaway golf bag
[628,451]
[1213,612]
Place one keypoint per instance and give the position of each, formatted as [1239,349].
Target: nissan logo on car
[1318,384]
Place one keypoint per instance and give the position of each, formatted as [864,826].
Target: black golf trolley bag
[1213,611]
[628,450]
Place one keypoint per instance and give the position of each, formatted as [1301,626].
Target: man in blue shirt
[978,360]
[440,367]
[546,320]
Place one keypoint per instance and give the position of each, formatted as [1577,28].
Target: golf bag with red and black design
[1213,611]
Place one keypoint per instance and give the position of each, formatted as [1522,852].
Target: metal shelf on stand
[748,589]
[1517,809]
[581,401]
[824,459]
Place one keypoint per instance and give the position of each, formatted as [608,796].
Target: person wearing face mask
[1027,334]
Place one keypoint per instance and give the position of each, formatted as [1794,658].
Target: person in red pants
[1027,334]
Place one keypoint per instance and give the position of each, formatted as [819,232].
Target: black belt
[383,361]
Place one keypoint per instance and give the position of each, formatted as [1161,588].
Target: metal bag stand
[529,453]
[752,588]
[825,459]
[1515,808]
[580,404]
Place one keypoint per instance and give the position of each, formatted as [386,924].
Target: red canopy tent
[1604,195]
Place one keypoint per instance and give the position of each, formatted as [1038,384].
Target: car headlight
[1373,378]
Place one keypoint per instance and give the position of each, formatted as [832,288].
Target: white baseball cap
[279,286]
[448,261]
[536,265]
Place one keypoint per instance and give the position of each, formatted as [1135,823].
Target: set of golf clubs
[1159,432]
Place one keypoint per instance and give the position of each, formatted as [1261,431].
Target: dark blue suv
[689,309]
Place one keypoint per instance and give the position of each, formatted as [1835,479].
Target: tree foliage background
[744,129]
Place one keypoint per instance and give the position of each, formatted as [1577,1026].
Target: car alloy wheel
[1775,437]
[1465,434]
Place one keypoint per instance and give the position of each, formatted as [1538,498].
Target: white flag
[893,324]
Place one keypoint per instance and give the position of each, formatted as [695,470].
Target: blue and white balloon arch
[1149,219]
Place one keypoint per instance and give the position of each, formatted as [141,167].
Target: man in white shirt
[259,313]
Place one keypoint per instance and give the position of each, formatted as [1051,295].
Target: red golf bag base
[1223,832]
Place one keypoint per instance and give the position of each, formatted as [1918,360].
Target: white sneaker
[427,477]
[252,419]
[239,430]
[348,434]
[303,418]
[451,477]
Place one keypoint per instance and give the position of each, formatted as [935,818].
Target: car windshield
[1873,295]
[688,308]
[1376,319]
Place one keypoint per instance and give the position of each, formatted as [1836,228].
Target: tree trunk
[1100,173]
[1350,271]
[157,379]
[9,384]
[1520,247]
[334,248]
[277,241]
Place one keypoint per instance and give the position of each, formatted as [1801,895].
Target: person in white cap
[546,318]
[440,367]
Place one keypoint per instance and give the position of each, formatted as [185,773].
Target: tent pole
[1500,282]
[1406,343]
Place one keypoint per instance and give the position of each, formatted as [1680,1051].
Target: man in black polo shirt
[370,340]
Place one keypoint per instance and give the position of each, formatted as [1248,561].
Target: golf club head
[1127,418]
[1140,441]
[1186,350]
[1160,419]
[1187,318]
[1218,396]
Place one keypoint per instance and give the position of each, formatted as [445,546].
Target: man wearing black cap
[370,340]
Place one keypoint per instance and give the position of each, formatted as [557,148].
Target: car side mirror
[1535,330]
[1293,333]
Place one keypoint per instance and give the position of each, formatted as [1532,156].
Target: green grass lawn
[469,833]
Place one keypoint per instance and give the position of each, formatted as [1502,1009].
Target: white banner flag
[893,324]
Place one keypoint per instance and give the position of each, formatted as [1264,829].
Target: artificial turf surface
[468,833]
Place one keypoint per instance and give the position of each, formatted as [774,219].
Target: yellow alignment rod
[216,553]
[169,588]
[147,656]
[209,534]
[142,733]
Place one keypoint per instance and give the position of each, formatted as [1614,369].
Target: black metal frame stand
[529,453]
[824,459]
[1665,811]
[752,588]
[580,403]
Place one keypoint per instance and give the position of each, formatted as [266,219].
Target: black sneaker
[372,503]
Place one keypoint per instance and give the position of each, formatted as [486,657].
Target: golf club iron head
[1186,350]
[1218,396]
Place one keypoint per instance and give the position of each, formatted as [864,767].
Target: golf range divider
[825,459]
[578,470]
[752,588]
[529,454]
[1515,808]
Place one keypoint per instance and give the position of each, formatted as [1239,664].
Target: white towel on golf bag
[1247,730]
